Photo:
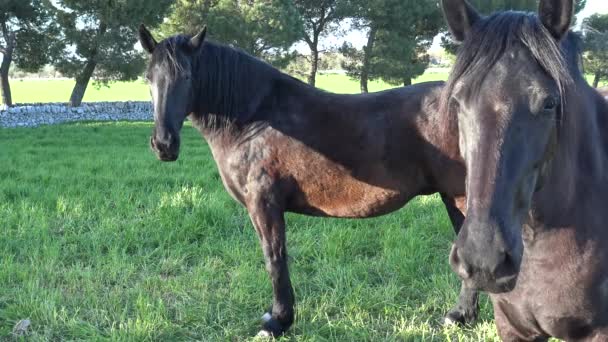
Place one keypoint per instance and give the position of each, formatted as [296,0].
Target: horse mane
[496,34]
[230,84]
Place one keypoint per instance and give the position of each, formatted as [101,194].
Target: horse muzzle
[166,150]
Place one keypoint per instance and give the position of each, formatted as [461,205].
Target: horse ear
[197,41]
[460,16]
[556,16]
[146,40]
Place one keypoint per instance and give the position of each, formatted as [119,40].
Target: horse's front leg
[270,225]
[467,308]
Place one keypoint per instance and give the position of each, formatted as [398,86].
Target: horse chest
[561,291]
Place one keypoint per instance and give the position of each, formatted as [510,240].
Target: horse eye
[551,104]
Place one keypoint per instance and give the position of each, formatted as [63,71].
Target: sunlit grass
[101,241]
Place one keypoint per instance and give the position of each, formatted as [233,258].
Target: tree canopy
[320,18]
[595,35]
[265,29]
[398,35]
[99,39]
[27,37]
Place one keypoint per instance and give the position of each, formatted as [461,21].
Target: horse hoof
[271,327]
[264,334]
[449,321]
[455,317]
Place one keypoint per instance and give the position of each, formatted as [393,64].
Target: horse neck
[232,86]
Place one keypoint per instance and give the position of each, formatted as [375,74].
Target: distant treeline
[86,40]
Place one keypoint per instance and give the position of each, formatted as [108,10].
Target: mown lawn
[100,241]
[28,91]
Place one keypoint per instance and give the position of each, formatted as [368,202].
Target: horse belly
[347,197]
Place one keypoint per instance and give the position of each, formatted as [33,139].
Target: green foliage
[27,36]
[595,30]
[352,61]
[105,33]
[399,34]
[34,33]
[320,18]
[265,29]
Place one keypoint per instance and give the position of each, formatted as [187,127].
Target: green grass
[100,241]
[28,91]
[33,91]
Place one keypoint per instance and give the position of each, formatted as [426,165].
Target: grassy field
[27,91]
[100,241]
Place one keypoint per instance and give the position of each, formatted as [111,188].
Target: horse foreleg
[270,226]
[467,308]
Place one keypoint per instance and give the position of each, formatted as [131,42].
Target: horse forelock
[497,34]
[165,55]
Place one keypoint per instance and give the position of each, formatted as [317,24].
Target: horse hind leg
[467,308]
[270,226]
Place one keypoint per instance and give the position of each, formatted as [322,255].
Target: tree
[100,39]
[320,18]
[266,29]
[595,33]
[27,37]
[488,7]
[398,33]
[398,64]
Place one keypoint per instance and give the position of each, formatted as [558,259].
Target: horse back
[341,155]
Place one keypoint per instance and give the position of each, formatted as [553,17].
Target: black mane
[229,82]
[494,35]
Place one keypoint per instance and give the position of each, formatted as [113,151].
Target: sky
[358,38]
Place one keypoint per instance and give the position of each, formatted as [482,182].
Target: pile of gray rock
[37,114]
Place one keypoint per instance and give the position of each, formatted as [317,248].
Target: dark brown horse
[281,145]
[534,137]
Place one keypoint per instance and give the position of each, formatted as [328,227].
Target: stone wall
[33,115]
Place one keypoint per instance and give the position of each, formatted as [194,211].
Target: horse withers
[283,146]
[534,137]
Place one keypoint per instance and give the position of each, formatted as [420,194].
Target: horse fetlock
[274,326]
[460,316]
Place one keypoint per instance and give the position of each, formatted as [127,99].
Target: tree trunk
[82,81]
[7,59]
[5,86]
[596,79]
[367,56]
[407,82]
[314,66]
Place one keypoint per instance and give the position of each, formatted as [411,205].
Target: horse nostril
[505,267]
[459,264]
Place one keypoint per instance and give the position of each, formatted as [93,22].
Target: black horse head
[507,89]
[170,75]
